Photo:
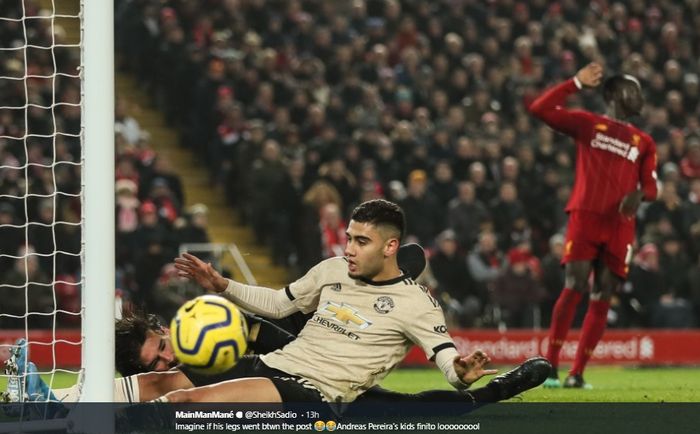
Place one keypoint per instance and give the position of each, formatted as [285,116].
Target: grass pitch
[610,384]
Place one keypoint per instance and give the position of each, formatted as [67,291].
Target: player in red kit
[615,171]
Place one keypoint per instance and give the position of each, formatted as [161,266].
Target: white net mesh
[40,183]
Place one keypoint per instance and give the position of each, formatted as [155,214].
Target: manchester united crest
[384,304]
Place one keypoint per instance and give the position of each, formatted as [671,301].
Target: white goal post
[34,79]
[98,184]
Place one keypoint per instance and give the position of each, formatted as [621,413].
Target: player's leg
[606,283]
[576,284]
[24,382]
[135,388]
[249,381]
[27,385]
[240,390]
[152,385]
[583,238]
[526,376]
[610,271]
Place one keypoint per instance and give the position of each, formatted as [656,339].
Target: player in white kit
[367,315]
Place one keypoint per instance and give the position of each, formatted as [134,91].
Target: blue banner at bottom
[520,418]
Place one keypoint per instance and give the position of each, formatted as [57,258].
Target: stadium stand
[299,106]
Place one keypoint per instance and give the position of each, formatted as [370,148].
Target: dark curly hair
[130,334]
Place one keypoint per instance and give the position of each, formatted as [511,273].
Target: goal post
[97,28]
[57,178]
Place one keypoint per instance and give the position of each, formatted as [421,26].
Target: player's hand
[470,368]
[630,203]
[591,74]
[193,268]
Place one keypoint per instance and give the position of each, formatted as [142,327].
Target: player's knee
[602,295]
[154,384]
[580,286]
[606,286]
[603,292]
[577,283]
[577,276]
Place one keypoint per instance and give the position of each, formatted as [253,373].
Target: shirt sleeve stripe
[289,293]
[441,347]
[126,387]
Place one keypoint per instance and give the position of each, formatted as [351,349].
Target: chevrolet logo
[601,127]
[344,314]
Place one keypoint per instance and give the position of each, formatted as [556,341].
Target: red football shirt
[613,158]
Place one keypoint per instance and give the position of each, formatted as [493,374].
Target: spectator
[674,264]
[267,173]
[672,313]
[162,197]
[388,167]
[443,186]
[691,218]
[333,227]
[516,292]
[694,284]
[154,250]
[10,237]
[161,168]
[320,194]
[690,164]
[193,228]
[668,206]
[455,288]
[125,124]
[506,210]
[485,262]
[465,215]
[552,276]
[127,205]
[336,173]
[26,275]
[288,198]
[643,289]
[485,190]
[423,217]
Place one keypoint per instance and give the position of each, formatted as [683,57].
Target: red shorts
[592,236]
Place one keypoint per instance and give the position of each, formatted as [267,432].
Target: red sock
[562,317]
[591,332]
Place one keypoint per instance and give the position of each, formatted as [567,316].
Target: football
[209,334]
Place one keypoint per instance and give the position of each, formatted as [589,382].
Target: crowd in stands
[303,108]
[40,158]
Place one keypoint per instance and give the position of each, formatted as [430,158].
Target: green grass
[60,380]
[610,384]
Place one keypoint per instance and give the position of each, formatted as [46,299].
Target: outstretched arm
[468,369]
[256,299]
[428,330]
[549,107]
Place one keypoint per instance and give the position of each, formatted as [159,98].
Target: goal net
[57,190]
